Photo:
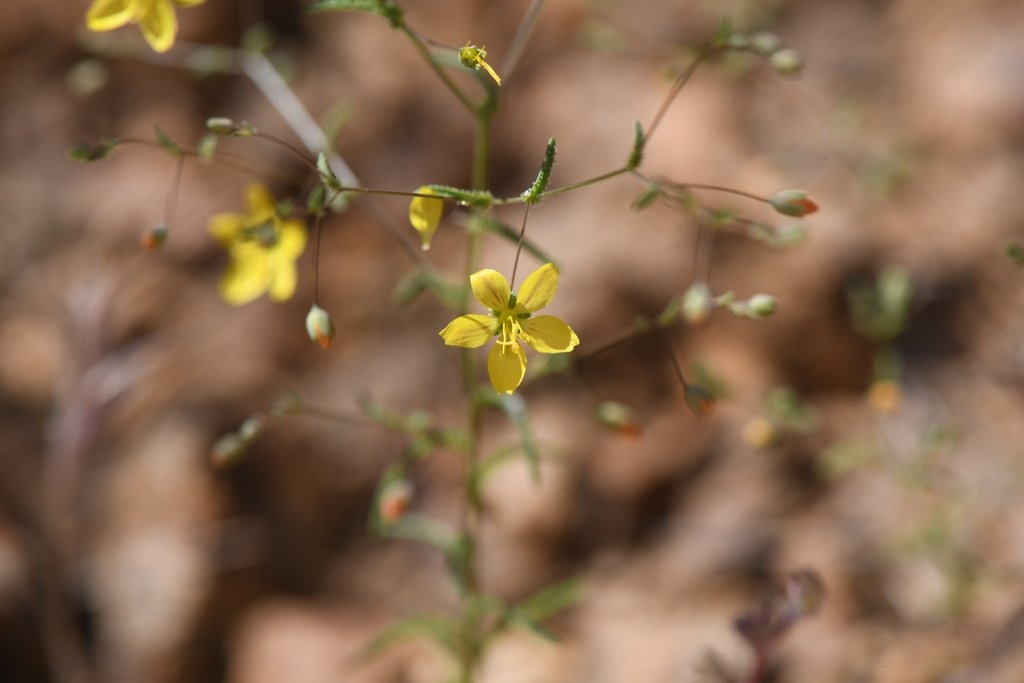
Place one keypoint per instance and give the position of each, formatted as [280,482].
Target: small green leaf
[532,195]
[669,314]
[1015,252]
[722,33]
[327,176]
[88,151]
[478,199]
[166,143]
[383,8]
[636,155]
[651,193]
[552,600]
[436,629]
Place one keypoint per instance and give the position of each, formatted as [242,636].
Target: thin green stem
[317,229]
[515,50]
[675,360]
[172,197]
[582,183]
[291,149]
[519,248]
[421,46]
[683,78]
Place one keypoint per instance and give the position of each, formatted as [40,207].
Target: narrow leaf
[532,195]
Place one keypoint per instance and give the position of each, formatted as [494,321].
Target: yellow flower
[155,17]
[263,248]
[511,320]
[425,215]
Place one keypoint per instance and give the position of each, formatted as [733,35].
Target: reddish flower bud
[319,327]
[394,501]
[793,203]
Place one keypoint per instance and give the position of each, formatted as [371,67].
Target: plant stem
[424,51]
[583,183]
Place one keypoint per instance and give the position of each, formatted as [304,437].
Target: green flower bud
[794,203]
[618,417]
[221,125]
[765,42]
[319,327]
[762,305]
[786,62]
[698,303]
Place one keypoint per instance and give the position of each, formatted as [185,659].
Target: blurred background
[872,430]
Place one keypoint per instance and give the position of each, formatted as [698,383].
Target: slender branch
[684,77]
[515,50]
[583,183]
[519,248]
[420,44]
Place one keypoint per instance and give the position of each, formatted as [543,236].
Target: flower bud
[319,327]
[762,305]
[698,303]
[154,238]
[221,125]
[793,203]
[618,417]
[765,42]
[228,450]
[394,501]
[786,62]
[699,399]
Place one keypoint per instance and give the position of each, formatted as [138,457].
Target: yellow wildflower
[511,320]
[263,248]
[425,215]
[475,58]
[155,18]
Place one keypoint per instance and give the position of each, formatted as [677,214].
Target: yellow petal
[506,365]
[490,288]
[425,215]
[105,15]
[260,202]
[548,334]
[188,3]
[291,240]
[489,70]
[225,226]
[246,277]
[538,289]
[283,278]
[469,331]
[158,24]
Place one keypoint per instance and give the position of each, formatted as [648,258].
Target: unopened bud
[786,62]
[228,450]
[762,305]
[618,417]
[251,428]
[765,42]
[698,304]
[154,238]
[793,203]
[319,327]
[395,500]
[221,125]
[699,399]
